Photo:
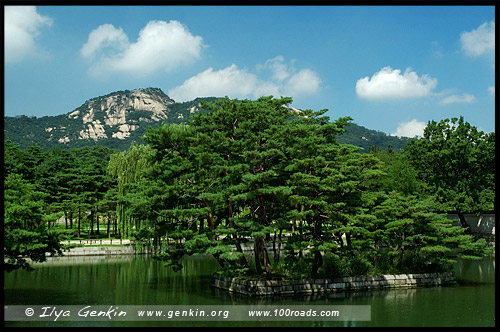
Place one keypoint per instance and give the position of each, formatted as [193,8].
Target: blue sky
[391,68]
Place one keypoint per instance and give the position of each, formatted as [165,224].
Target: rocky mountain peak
[118,112]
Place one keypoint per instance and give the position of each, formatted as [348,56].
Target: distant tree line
[252,171]
[369,139]
[41,187]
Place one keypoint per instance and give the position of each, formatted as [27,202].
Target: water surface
[141,280]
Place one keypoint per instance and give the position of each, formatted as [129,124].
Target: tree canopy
[457,164]
[42,186]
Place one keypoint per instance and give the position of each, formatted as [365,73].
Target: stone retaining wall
[106,251]
[313,286]
[99,251]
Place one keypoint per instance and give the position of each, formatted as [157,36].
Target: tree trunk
[400,258]
[79,219]
[210,216]
[97,219]
[108,230]
[277,251]
[318,258]
[463,222]
[243,260]
[91,221]
[202,222]
[256,249]
[229,222]
[262,257]
[317,263]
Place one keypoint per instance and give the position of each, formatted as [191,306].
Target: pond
[142,281]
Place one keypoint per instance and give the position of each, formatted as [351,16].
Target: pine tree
[26,235]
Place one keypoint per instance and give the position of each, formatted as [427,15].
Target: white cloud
[105,35]
[491,90]
[160,46]
[283,80]
[229,81]
[22,26]
[305,81]
[410,129]
[479,41]
[465,98]
[391,84]
[280,71]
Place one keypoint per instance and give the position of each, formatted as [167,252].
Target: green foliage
[416,239]
[346,264]
[400,175]
[457,164]
[41,187]
[26,236]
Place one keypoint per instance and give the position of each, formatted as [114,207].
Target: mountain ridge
[118,118]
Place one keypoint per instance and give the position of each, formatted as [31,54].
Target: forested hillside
[114,121]
[366,138]
[120,118]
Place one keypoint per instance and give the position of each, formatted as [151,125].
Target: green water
[140,280]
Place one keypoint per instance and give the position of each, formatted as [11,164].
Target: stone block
[337,285]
